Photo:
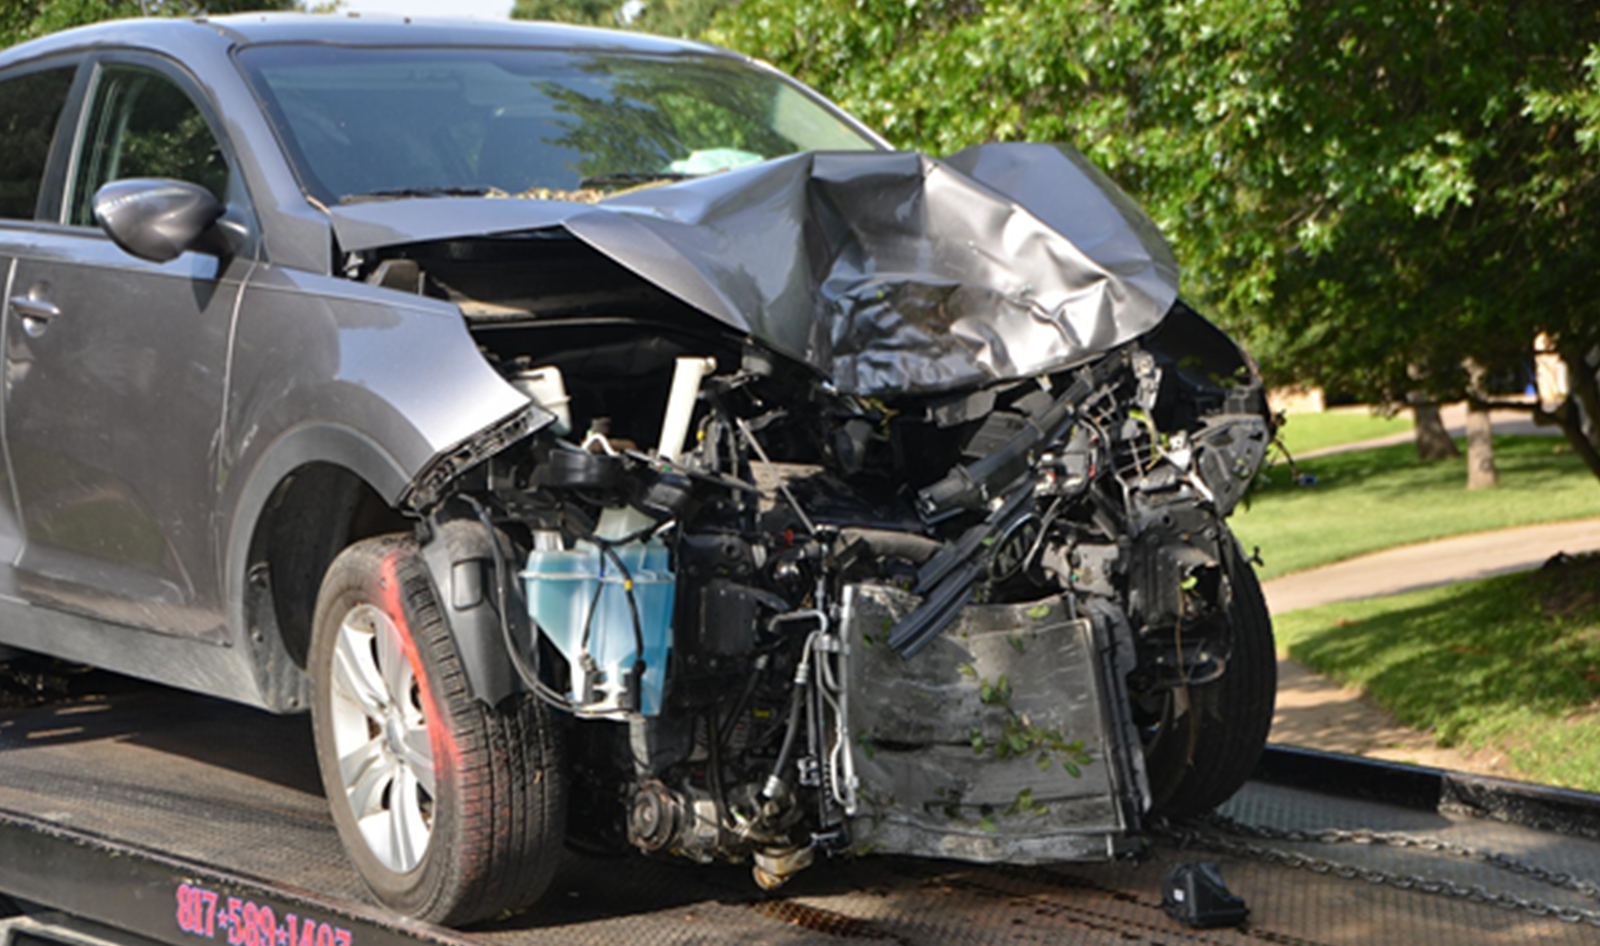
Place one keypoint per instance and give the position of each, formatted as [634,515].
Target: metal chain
[1396,839]
[1193,835]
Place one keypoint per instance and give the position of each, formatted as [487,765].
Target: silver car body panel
[887,272]
[290,366]
[116,510]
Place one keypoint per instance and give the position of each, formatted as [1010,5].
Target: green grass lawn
[1370,500]
[1510,664]
[1303,432]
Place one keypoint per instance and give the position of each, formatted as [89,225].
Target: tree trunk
[1481,472]
[1433,441]
[1583,405]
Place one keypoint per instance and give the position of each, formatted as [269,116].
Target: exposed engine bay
[782,614]
[783,619]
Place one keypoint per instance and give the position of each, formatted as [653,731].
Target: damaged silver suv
[612,444]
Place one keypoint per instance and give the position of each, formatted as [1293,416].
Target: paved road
[1317,712]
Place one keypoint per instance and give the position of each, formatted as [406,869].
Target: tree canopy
[685,18]
[1359,189]
[22,20]
[1377,196]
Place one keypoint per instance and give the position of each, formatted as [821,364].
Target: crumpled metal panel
[960,751]
[889,272]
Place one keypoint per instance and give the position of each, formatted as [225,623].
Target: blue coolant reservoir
[561,585]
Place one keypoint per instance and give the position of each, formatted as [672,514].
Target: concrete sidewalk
[1316,712]
[1455,422]
[1427,564]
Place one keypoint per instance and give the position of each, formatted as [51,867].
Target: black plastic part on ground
[1192,892]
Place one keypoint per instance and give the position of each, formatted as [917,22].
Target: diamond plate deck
[199,787]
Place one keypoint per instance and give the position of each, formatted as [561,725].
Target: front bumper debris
[998,742]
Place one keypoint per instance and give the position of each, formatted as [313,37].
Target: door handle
[31,308]
[35,313]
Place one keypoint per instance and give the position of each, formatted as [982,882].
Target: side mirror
[159,220]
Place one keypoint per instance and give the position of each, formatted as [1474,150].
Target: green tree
[22,20]
[1455,215]
[1376,195]
[686,18]
[585,12]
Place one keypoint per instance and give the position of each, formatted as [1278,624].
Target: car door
[116,370]
[33,100]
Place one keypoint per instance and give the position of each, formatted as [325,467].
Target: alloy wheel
[380,733]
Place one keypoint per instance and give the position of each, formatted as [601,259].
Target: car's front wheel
[452,811]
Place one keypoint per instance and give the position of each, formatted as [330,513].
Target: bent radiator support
[998,742]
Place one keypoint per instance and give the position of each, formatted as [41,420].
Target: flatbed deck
[122,802]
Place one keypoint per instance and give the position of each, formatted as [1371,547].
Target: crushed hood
[888,272]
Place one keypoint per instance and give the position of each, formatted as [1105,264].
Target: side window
[143,125]
[30,107]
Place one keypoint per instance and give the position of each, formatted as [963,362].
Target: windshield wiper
[399,193]
[628,178]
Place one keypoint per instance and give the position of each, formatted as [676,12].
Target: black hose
[529,673]
[633,603]
[914,548]
[607,551]
[740,704]
[796,707]
[715,763]
[594,608]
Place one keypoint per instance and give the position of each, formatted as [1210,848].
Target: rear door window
[30,109]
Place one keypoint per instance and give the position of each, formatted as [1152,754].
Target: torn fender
[887,272]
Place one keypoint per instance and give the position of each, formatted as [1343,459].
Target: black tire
[496,813]
[1197,759]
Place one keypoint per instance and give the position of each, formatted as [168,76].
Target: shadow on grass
[1487,661]
[1395,470]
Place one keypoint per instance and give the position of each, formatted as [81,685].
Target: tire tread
[511,803]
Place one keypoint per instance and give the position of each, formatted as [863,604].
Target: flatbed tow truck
[132,814]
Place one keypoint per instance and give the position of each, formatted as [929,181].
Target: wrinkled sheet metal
[889,272]
[942,769]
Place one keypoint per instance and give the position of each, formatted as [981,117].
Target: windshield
[371,123]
